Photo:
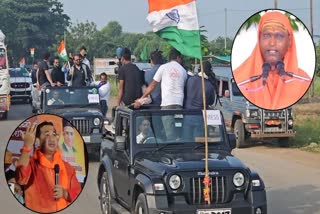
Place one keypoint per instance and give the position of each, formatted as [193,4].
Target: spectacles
[76,59]
[278,36]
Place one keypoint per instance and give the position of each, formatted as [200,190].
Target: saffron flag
[32,52]
[62,51]
[177,22]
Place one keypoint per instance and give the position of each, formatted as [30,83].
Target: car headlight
[175,182]
[96,121]
[290,122]
[238,179]
[3,99]
[252,113]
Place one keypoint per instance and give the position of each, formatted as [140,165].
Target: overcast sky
[131,14]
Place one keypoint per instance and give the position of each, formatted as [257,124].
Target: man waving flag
[177,22]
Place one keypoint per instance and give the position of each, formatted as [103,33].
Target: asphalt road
[292,177]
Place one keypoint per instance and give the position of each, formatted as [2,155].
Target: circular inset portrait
[46,163]
[273,59]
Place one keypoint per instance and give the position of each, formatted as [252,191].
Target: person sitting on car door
[55,100]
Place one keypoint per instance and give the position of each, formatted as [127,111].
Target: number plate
[86,139]
[214,211]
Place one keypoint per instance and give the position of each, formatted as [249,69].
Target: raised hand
[29,136]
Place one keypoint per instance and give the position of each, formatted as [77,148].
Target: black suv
[248,121]
[79,105]
[153,162]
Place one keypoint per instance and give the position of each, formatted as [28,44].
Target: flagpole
[206,181]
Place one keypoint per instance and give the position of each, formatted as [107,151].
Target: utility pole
[311,31]
[225,28]
[275,3]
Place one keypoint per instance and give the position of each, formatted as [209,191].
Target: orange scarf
[63,178]
[276,94]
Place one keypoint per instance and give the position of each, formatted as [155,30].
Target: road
[292,177]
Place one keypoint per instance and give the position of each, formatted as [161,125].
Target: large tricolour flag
[177,22]
[62,51]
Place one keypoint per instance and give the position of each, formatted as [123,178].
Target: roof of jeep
[223,71]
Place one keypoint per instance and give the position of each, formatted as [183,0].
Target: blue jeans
[192,127]
[104,107]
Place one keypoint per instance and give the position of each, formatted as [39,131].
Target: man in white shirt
[172,77]
[67,147]
[145,131]
[83,53]
[104,91]
[55,100]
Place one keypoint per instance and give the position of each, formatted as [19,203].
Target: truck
[4,79]
[247,121]
[143,170]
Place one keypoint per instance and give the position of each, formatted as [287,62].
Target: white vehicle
[4,79]
[20,84]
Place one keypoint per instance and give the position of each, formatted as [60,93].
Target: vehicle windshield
[72,96]
[143,66]
[171,128]
[235,89]
[18,72]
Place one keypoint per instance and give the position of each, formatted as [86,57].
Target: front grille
[82,125]
[20,93]
[218,190]
[20,85]
[274,114]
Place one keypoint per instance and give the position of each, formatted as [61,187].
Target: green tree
[31,23]
[217,46]
[81,34]
[318,59]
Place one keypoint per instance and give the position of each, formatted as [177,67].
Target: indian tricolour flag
[177,22]
[62,51]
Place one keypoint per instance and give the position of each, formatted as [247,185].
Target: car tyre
[105,195]
[239,133]
[5,115]
[141,205]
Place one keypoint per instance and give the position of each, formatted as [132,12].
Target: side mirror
[227,93]
[232,140]
[120,143]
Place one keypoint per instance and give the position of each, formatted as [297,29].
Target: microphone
[265,72]
[280,67]
[56,174]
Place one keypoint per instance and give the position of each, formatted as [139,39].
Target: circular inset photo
[46,163]
[273,59]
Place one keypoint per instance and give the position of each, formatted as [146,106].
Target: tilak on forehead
[274,25]
[275,21]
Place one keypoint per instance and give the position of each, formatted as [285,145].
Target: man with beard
[37,173]
[270,77]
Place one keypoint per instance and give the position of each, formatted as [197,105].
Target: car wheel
[239,133]
[5,115]
[141,205]
[105,195]
[283,142]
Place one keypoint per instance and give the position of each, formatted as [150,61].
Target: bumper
[236,206]
[270,135]
[92,142]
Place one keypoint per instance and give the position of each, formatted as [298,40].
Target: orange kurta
[276,94]
[39,182]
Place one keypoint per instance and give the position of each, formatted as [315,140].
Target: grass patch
[317,86]
[113,85]
[307,132]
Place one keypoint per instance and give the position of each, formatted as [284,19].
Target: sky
[213,14]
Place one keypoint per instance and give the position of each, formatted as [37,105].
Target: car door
[121,161]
